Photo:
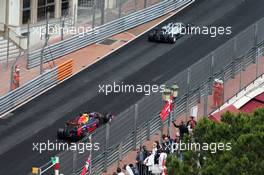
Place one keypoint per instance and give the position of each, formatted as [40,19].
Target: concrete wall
[111,4]
[14,12]
[74,9]
[2,14]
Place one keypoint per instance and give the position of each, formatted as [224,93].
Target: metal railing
[106,30]
[29,90]
[140,121]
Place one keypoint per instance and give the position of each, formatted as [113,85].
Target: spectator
[177,138]
[162,160]
[156,151]
[150,160]
[182,127]
[119,171]
[166,145]
[174,147]
[134,169]
[142,154]
[163,137]
[191,124]
[128,170]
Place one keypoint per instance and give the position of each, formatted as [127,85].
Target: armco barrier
[36,86]
[29,90]
[124,23]
[137,123]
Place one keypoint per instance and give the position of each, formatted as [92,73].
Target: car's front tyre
[172,39]
[61,133]
[151,37]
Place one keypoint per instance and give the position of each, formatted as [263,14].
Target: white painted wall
[2,14]
[74,9]
[14,12]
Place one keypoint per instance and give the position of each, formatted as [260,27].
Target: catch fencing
[103,31]
[137,123]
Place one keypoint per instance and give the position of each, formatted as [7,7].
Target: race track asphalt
[139,62]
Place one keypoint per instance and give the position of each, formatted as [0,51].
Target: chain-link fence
[98,12]
[237,63]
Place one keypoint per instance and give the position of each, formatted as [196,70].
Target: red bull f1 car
[83,125]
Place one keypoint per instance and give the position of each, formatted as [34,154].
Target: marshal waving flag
[86,168]
[166,109]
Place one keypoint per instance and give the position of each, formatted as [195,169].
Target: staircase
[13,50]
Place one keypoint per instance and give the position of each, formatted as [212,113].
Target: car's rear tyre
[61,133]
[172,39]
[151,37]
[164,38]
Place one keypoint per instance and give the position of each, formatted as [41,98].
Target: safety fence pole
[107,135]
[148,130]
[211,73]
[188,93]
[135,127]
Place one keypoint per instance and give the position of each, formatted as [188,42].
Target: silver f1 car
[168,33]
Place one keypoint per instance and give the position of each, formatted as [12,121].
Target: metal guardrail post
[206,100]
[233,63]
[62,23]
[120,153]
[161,129]
[243,64]
[140,136]
[7,49]
[148,130]
[145,3]
[240,73]
[102,4]
[255,42]
[90,152]
[135,127]
[119,8]
[233,58]
[199,94]
[106,146]
[188,93]
[256,56]
[94,8]
[74,159]
[223,78]
[169,124]
[28,37]
[175,110]
[211,78]
[46,43]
